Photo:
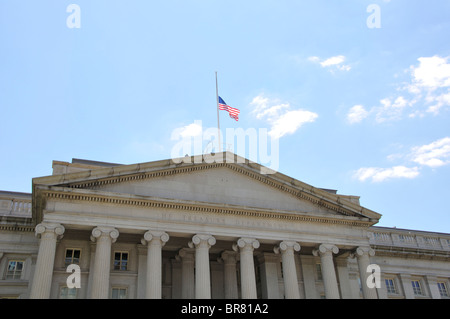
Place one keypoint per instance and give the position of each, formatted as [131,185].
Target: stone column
[104,237]
[248,279]
[344,278]
[230,277]
[154,240]
[269,264]
[187,273]
[287,249]
[325,251]
[43,273]
[202,243]
[362,255]
[308,265]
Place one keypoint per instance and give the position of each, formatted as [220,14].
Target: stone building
[203,228]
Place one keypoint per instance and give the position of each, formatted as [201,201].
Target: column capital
[246,243]
[54,229]
[325,249]
[229,257]
[363,251]
[100,231]
[186,254]
[151,235]
[202,239]
[286,246]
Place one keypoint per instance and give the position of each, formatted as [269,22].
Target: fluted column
[43,273]
[287,249]
[154,240]
[202,243]
[326,251]
[187,273]
[248,279]
[362,255]
[104,237]
[230,277]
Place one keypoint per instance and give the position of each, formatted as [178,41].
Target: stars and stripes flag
[234,113]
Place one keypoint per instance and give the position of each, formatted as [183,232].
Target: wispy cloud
[282,119]
[332,63]
[427,91]
[377,174]
[433,155]
[188,131]
[356,114]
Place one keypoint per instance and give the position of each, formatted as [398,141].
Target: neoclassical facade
[212,226]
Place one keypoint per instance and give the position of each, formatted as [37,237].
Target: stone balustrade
[382,236]
[15,204]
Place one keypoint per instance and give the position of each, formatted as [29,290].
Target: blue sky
[362,110]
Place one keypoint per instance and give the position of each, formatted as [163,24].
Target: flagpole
[218,122]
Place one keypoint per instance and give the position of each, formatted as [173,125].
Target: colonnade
[195,265]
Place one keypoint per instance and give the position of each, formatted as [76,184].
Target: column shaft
[230,276]
[202,244]
[187,273]
[104,237]
[248,279]
[362,255]
[287,249]
[43,273]
[155,241]
[328,272]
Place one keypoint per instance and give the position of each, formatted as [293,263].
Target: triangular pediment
[235,182]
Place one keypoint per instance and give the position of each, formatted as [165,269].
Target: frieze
[203,208]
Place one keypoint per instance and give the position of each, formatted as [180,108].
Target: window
[319,271]
[120,260]
[390,286]
[119,293]
[416,287]
[68,293]
[72,256]
[15,268]
[442,289]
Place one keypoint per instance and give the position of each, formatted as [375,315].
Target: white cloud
[263,109]
[431,155]
[427,91]
[191,130]
[441,100]
[314,59]
[356,114]
[434,154]
[432,72]
[290,122]
[334,62]
[390,109]
[377,174]
[281,118]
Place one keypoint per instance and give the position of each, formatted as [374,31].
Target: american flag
[234,113]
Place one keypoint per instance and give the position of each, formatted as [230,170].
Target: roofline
[408,230]
[94,163]
[264,174]
[14,194]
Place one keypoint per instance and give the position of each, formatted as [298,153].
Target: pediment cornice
[95,179]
